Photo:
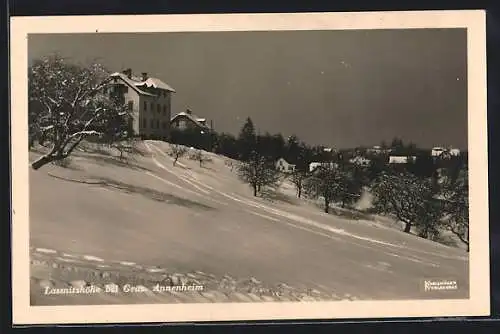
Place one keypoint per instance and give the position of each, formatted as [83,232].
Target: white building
[283,166]
[360,161]
[445,153]
[378,150]
[394,159]
[437,151]
[148,100]
[315,165]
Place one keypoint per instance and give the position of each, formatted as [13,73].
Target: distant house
[283,166]
[187,120]
[148,100]
[394,159]
[378,150]
[330,150]
[437,151]
[445,153]
[313,166]
[360,161]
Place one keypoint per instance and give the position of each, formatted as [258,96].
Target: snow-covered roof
[137,82]
[284,160]
[192,117]
[401,159]
[155,83]
[130,83]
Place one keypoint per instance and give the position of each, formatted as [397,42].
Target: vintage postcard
[170,168]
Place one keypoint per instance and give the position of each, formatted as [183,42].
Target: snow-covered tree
[405,196]
[456,199]
[177,152]
[298,178]
[258,173]
[68,103]
[325,183]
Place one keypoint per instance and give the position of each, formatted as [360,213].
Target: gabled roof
[136,83]
[155,83]
[192,117]
[130,83]
[283,159]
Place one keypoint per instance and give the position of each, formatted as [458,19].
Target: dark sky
[335,88]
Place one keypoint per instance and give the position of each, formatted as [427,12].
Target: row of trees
[418,203]
[428,195]
[242,146]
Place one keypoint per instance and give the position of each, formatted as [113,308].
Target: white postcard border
[477,305]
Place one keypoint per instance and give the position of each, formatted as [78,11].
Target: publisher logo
[442,285]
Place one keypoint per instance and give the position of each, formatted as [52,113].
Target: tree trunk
[255,190]
[327,205]
[300,192]
[42,161]
[175,161]
[407,227]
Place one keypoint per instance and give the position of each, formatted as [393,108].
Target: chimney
[128,72]
[144,76]
[189,111]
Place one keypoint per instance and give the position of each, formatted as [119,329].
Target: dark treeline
[240,147]
[295,151]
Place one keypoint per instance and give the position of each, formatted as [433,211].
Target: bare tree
[325,182]
[456,198]
[177,151]
[298,178]
[405,196]
[429,222]
[258,173]
[198,156]
[68,104]
[351,179]
[127,146]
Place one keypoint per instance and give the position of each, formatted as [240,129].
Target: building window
[130,106]
[145,122]
[157,124]
[145,106]
[125,89]
[158,107]
[152,107]
[164,109]
[165,125]
[152,124]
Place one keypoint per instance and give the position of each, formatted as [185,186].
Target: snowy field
[188,218]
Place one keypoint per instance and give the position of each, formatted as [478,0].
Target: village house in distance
[283,166]
[149,100]
[187,120]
